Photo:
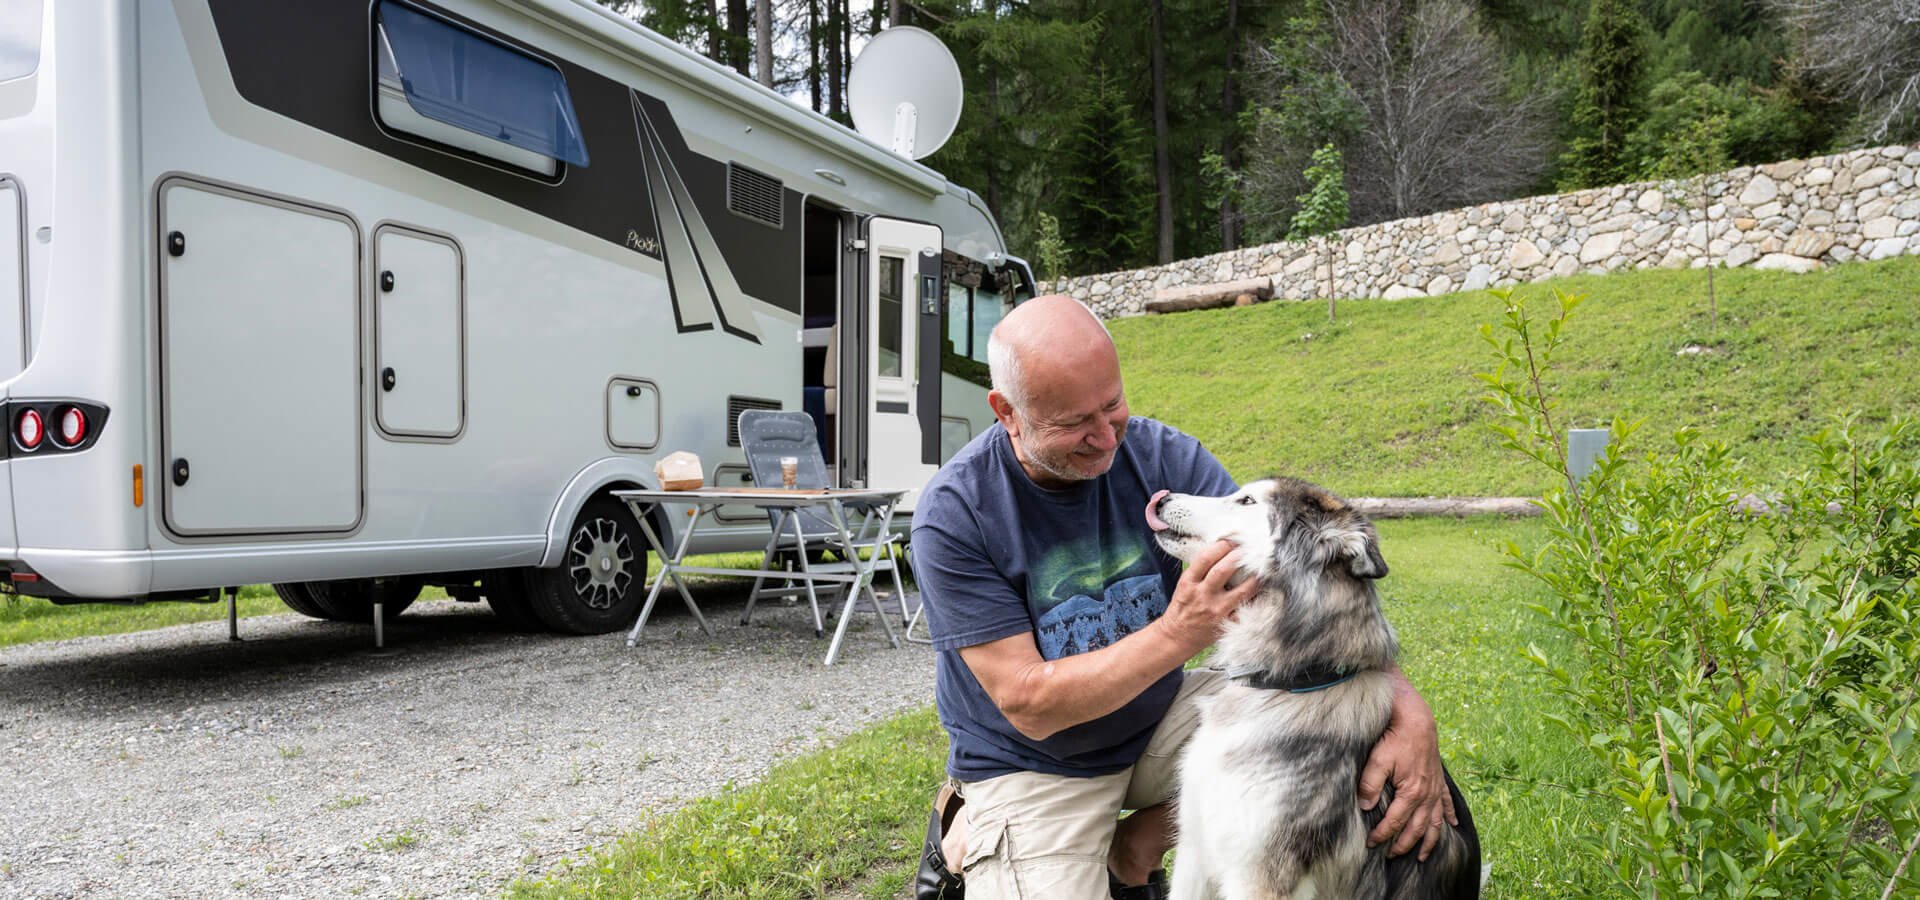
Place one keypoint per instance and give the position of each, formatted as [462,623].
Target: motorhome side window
[892,289]
[457,88]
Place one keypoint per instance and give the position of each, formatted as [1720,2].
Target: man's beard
[1060,466]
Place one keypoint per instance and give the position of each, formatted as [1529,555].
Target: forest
[1110,134]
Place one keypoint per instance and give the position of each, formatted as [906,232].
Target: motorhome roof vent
[738,405]
[753,195]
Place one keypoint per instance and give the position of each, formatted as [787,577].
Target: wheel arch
[598,478]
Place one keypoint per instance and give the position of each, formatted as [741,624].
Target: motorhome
[356,296]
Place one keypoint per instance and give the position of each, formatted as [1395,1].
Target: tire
[294,594]
[352,600]
[601,580]
[508,597]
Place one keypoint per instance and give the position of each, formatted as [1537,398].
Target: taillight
[28,429]
[73,427]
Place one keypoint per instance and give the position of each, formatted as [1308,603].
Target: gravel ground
[299,763]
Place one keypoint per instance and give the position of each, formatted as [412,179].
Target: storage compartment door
[13,281]
[259,349]
[419,359]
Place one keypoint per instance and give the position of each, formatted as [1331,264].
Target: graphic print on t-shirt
[1087,599]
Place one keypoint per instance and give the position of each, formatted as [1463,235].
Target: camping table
[857,575]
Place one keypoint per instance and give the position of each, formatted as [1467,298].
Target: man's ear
[1003,410]
[1365,560]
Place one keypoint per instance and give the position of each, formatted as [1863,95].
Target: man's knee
[1034,861]
[1039,836]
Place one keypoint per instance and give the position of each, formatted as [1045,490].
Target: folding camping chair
[768,435]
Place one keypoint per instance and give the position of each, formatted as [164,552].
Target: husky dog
[1268,805]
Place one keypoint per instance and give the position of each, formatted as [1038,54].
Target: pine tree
[1107,195]
[1613,52]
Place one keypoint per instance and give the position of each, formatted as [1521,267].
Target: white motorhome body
[354,295]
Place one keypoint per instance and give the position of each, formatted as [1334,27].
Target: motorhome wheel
[510,598]
[352,600]
[294,595]
[600,582]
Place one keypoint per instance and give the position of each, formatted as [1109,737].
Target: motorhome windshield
[19,38]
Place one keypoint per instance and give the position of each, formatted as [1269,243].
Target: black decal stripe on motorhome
[688,225]
[665,255]
[309,60]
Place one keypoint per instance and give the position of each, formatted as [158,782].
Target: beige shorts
[1032,836]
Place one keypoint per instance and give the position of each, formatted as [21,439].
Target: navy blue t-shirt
[996,555]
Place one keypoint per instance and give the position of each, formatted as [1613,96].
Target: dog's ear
[1365,560]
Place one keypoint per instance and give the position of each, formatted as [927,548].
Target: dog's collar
[1303,682]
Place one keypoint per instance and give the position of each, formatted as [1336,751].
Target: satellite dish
[904,91]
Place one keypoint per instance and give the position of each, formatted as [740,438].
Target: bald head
[1042,336]
[1057,390]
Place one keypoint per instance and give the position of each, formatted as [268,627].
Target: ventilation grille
[753,195]
[738,405]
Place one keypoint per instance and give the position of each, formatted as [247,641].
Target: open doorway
[820,320]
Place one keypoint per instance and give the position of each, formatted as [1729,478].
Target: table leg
[862,580]
[680,584]
[886,521]
[806,572]
[669,563]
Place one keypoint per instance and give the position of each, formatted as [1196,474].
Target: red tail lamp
[29,429]
[73,426]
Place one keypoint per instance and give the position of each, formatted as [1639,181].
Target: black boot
[1156,887]
[934,882]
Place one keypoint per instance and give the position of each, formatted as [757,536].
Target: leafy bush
[1742,661]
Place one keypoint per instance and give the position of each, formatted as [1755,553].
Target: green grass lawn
[848,820]
[1384,403]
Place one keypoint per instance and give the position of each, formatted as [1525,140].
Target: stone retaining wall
[1797,215]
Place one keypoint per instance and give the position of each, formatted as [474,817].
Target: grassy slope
[1384,402]
[853,815]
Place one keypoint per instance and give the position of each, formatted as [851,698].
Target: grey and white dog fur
[1268,805]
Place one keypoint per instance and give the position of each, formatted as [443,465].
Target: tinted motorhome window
[19,38]
[988,310]
[516,106]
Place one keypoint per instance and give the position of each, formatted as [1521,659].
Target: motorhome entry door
[260,366]
[902,311]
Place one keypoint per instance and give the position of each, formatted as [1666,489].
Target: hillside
[1384,403]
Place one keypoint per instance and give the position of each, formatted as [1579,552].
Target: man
[1062,630]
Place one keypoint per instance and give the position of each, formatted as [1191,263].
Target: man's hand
[1202,600]
[1042,697]
[1409,753]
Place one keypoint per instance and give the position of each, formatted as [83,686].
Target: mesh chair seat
[769,435]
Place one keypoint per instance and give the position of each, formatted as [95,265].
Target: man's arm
[1043,697]
[1409,753]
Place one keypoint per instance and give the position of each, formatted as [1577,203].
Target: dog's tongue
[1153,520]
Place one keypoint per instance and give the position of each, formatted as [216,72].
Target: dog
[1268,803]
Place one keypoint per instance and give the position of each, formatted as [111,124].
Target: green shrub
[1743,658]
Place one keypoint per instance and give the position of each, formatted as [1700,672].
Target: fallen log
[1458,507]
[1210,296]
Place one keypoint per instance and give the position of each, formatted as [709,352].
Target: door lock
[180,472]
[386,378]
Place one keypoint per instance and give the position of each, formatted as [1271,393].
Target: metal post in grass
[1584,447]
